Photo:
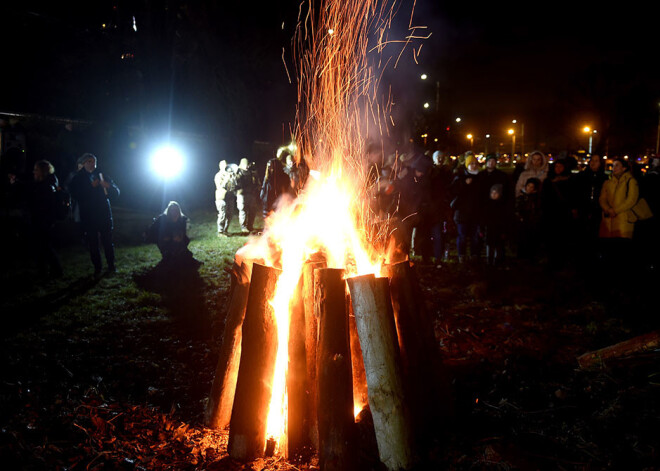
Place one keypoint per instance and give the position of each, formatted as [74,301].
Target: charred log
[335,386]
[375,324]
[247,431]
[221,399]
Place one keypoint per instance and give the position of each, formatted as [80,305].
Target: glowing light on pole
[512,133]
[591,132]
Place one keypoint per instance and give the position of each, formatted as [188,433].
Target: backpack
[62,204]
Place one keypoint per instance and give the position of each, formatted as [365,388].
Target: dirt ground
[126,389]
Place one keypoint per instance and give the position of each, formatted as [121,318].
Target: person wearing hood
[466,205]
[619,194]
[535,167]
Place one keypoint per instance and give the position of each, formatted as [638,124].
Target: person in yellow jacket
[619,194]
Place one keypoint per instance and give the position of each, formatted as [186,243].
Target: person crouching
[169,232]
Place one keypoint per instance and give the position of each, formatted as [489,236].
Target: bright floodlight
[167,162]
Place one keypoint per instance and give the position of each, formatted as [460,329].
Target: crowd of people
[238,188]
[537,211]
[31,208]
[440,209]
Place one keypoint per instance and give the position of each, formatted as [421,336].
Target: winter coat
[531,172]
[93,201]
[588,185]
[620,194]
[489,178]
[466,201]
[170,236]
[41,202]
[276,183]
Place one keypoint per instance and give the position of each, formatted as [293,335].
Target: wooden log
[375,324]
[297,436]
[360,395]
[335,385]
[427,380]
[311,342]
[247,428]
[221,399]
[637,345]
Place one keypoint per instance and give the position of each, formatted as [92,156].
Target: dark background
[210,78]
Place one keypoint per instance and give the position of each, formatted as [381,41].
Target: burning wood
[378,339]
[426,380]
[304,390]
[335,385]
[297,375]
[221,400]
[247,430]
[311,341]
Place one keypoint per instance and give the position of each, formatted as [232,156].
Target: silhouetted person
[169,232]
[92,190]
[41,204]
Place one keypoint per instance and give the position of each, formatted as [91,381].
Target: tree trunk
[221,400]
[247,430]
[335,385]
[375,324]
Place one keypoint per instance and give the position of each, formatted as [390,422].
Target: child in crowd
[495,223]
[528,217]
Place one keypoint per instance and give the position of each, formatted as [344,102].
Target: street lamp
[522,135]
[423,76]
[591,132]
[512,133]
[426,105]
[471,139]
[486,144]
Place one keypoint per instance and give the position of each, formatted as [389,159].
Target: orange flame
[338,112]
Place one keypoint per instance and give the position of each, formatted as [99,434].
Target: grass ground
[113,373]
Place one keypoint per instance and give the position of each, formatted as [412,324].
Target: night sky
[201,67]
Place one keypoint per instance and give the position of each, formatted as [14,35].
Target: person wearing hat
[93,190]
[466,206]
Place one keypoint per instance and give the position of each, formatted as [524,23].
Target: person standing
[588,185]
[276,183]
[42,216]
[93,190]
[536,167]
[246,188]
[467,210]
[225,196]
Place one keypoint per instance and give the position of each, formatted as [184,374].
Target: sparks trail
[339,47]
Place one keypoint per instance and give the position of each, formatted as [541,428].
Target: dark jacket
[94,203]
[41,202]
[276,183]
[466,198]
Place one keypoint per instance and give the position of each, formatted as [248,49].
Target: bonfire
[315,332]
